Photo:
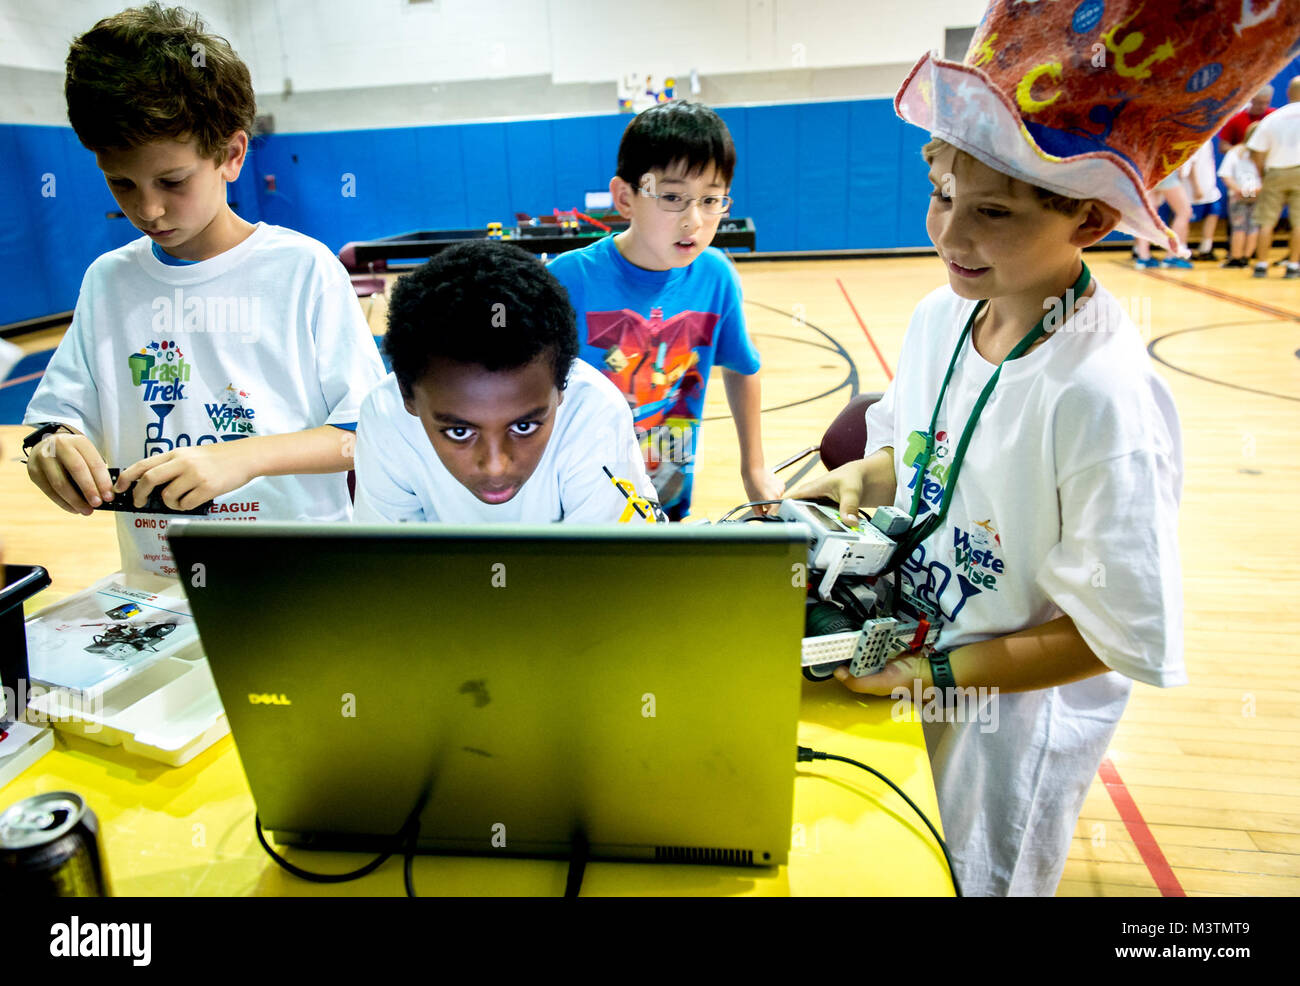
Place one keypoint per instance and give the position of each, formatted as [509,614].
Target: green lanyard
[915,535]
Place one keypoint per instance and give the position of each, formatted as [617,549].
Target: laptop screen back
[637,685]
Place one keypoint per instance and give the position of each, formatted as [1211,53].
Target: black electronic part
[820,619]
[860,605]
[752,503]
[21,582]
[36,437]
[125,501]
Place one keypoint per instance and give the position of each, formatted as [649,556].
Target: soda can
[49,847]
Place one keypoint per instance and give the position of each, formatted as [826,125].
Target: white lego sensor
[835,546]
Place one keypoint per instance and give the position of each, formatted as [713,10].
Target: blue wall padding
[737,121]
[483,156]
[14,397]
[48,241]
[812,176]
[823,160]
[831,175]
[440,189]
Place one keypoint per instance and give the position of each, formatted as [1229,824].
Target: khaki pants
[1280,185]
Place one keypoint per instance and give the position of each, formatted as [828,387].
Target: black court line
[850,380]
[1151,350]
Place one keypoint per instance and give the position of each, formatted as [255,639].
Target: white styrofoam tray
[169,712]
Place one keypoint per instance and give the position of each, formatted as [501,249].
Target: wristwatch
[941,674]
[36,437]
[941,670]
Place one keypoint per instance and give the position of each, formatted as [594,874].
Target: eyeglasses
[710,205]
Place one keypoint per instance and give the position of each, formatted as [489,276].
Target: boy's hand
[192,476]
[71,472]
[901,672]
[844,485]
[762,484]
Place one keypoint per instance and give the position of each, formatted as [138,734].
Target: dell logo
[269,699]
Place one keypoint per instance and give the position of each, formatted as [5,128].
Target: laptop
[515,688]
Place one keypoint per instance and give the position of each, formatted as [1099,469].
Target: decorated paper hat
[1101,99]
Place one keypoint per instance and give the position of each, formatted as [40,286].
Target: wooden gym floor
[1200,793]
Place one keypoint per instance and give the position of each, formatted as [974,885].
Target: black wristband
[941,676]
[47,429]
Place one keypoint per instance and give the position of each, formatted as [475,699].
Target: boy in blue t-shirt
[657,306]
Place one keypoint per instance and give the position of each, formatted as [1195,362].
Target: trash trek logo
[162,375]
[160,368]
[971,564]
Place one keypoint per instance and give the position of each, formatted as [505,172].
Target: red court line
[30,376]
[1258,306]
[1157,865]
[888,372]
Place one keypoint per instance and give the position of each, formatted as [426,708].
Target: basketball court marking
[1235,299]
[889,374]
[1161,872]
[1151,351]
[17,380]
[850,379]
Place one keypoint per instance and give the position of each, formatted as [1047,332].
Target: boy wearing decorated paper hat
[1025,433]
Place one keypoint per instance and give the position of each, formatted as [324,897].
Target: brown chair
[845,439]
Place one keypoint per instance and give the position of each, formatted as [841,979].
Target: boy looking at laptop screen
[1044,541]
[209,357]
[658,307]
[488,416]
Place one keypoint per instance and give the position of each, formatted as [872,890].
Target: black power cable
[807,755]
[577,864]
[302,874]
[404,840]
[408,864]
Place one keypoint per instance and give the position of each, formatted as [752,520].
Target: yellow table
[177,831]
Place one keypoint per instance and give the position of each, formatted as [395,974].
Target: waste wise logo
[977,554]
[232,415]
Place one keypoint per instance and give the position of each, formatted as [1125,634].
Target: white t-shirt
[1066,502]
[265,339]
[1199,171]
[1278,134]
[1239,166]
[400,477]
